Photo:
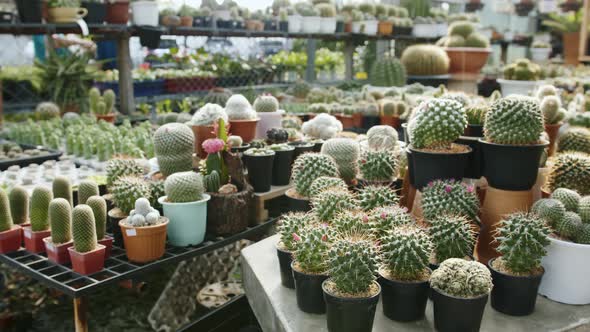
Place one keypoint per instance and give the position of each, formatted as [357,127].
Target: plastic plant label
[131,232]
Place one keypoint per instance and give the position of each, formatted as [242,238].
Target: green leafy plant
[563,23]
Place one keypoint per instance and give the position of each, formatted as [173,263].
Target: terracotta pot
[571,47]
[170,20]
[552,131]
[107,242]
[246,129]
[186,21]
[117,12]
[11,239]
[144,244]
[254,25]
[357,120]
[110,118]
[65,15]
[202,133]
[34,240]
[385,28]
[88,262]
[390,120]
[348,27]
[467,59]
[347,121]
[57,252]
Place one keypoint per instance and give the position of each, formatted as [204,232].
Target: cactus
[583,209]
[40,200]
[461,28]
[550,210]
[386,218]
[546,90]
[449,196]
[212,182]
[19,205]
[352,264]
[311,249]
[583,236]
[117,168]
[460,278]
[572,171]
[300,89]
[476,114]
[289,224]
[83,229]
[351,222]
[126,190]
[574,140]
[436,124]
[174,146]
[378,165]
[553,113]
[238,107]
[86,188]
[332,201]
[373,196]
[452,237]
[99,210]
[217,96]
[569,226]
[60,219]
[157,191]
[109,98]
[452,41]
[94,98]
[514,120]
[477,40]
[234,141]
[47,110]
[460,97]
[423,59]
[325,182]
[522,239]
[208,115]
[323,126]
[382,138]
[143,214]
[277,135]
[5,216]
[310,166]
[569,198]
[392,107]
[406,252]
[522,70]
[184,187]
[62,188]
[388,72]
[266,103]
[345,152]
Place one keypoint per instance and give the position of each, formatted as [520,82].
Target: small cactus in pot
[373,196]
[150,229]
[10,234]
[452,237]
[86,254]
[330,202]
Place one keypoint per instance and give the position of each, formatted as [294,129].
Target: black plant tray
[117,267]
[22,162]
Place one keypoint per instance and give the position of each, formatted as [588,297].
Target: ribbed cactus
[324,182]
[461,28]
[291,224]
[5,216]
[514,120]
[452,237]
[311,249]
[86,189]
[332,201]
[378,166]
[569,198]
[449,196]
[570,170]
[19,205]
[117,168]
[387,72]
[436,124]
[549,209]
[266,103]
[522,239]
[60,219]
[184,187]
[522,70]
[406,252]
[583,209]
[574,140]
[212,182]
[83,229]
[552,110]
[424,59]
[352,264]
[345,152]
[384,219]
[382,138]
[40,200]
[126,190]
[174,146]
[569,226]
[99,210]
[47,110]
[460,278]
[62,188]
[373,196]
[310,166]
[351,222]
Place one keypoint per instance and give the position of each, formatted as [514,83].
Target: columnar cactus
[452,237]
[83,229]
[60,219]
[238,107]
[5,216]
[575,139]
[266,103]
[373,196]
[449,196]
[406,252]
[424,59]
[388,72]
[174,146]
[62,188]
[86,189]
[569,198]
[345,152]
[514,120]
[184,187]
[99,210]
[583,209]
[569,226]
[549,209]
[552,110]
[212,182]
[310,166]
[117,168]
[384,219]
[40,200]
[436,124]
[570,170]
[291,224]
[352,264]
[332,201]
[311,249]
[378,165]
[19,205]
[324,182]
[347,222]
[382,138]
[126,190]
[460,278]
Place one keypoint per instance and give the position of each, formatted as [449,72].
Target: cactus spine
[310,166]
[126,190]
[99,210]
[352,264]
[575,140]
[514,120]
[325,182]
[460,278]
[311,249]
[117,168]
[373,196]
[332,201]
[184,187]
[452,237]
[83,229]
[19,205]
[569,198]
[384,219]
[449,196]
[86,189]
[174,146]
[425,59]
[572,171]
[388,72]
[60,218]
[380,166]
[40,200]
[436,124]
[289,224]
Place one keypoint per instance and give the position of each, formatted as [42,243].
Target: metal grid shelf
[117,267]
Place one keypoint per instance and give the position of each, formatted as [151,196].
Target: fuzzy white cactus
[208,115]
[143,214]
[323,126]
[238,107]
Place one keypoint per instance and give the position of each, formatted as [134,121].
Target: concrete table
[276,308]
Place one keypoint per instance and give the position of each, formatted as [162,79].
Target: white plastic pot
[425,30]
[356,27]
[310,24]
[442,29]
[510,87]
[540,54]
[328,25]
[188,221]
[370,27]
[294,23]
[267,121]
[145,13]
[566,272]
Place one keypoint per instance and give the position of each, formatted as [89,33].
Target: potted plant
[185,204]
[426,64]
[203,18]
[327,13]
[267,109]
[281,170]
[169,18]
[254,21]
[102,107]
[306,169]
[294,20]
[125,191]
[310,18]
[568,25]
[283,20]
[377,167]
[540,51]
[468,50]
[203,122]
[369,115]
[289,224]
[65,11]
[475,117]
[452,237]
[243,119]
[145,12]
[117,11]
[345,152]
[569,170]
[18,198]
[259,162]
[186,14]
[60,219]
[10,234]
[86,254]
[442,197]
[391,110]
[144,233]
[97,11]
[520,77]
[174,145]
[99,209]
[236,144]
[39,228]
[553,114]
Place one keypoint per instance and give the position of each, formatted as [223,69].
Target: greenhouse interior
[295,165]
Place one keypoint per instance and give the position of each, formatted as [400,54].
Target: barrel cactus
[60,219]
[452,236]
[575,140]
[522,70]
[126,190]
[345,152]
[351,222]
[99,210]
[62,188]
[449,196]
[5,216]
[460,278]
[47,110]
[332,201]
[514,120]
[266,103]
[373,196]
[83,229]
[382,138]
[549,209]
[117,168]
[174,146]
[289,224]
[310,166]
[86,189]
[572,171]
[436,124]
[569,226]
[19,205]
[424,60]
[352,264]
[584,209]
[311,249]
[569,198]
[380,166]
[406,253]
[40,200]
[386,218]
[388,72]
[477,40]
[325,182]
[184,187]
[552,110]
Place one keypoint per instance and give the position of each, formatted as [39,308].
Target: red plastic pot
[88,262]
[34,240]
[117,12]
[107,242]
[57,252]
[11,239]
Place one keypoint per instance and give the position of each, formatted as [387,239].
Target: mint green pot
[188,221]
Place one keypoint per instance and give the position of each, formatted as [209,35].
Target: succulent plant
[449,196]
[277,135]
[19,205]
[40,200]
[217,96]
[388,72]
[436,124]
[583,209]
[378,165]
[345,152]
[212,182]
[477,40]
[549,209]
[143,214]
[522,70]
[461,28]
[157,191]
[266,103]
[126,190]
[86,189]
[351,222]
[208,115]
[569,226]
[235,141]
[174,146]
[101,105]
[325,182]
[311,249]
[323,126]
[552,110]
[99,210]
[290,224]
[386,218]
[117,168]
[546,90]
[332,201]
[184,187]
[5,216]
[583,236]
[352,264]
[476,114]
[373,196]
[424,59]
[83,229]
[393,107]
[569,198]
[572,171]
[60,219]
[460,278]
[406,251]
[514,120]
[62,188]
[47,110]
[239,108]
[382,138]
[452,237]
[310,166]
[574,140]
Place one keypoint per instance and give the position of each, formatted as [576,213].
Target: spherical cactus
[378,166]
[174,146]
[583,236]
[47,110]
[574,140]
[19,205]
[217,96]
[62,188]
[40,200]
[547,90]
[289,224]
[388,72]
[373,196]
[392,107]
[117,168]
[549,209]
[310,166]
[583,209]
[332,201]
[437,123]
[461,28]
[126,190]
[325,182]
[83,229]
[382,138]
[345,152]
[311,249]
[235,141]
[86,189]
[239,108]
[570,170]
[569,198]
[454,41]
[552,110]
[477,40]
[277,135]
[476,114]
[452,236]
[351,222]
[5,216]
[514,120]
[522,70]
[423,59]
[208,115]
[460,278]
[449,196]
[569,226]
[522,239]
[60,219]
[184,187]
[99,210]
[352,264]
[406,253]
[266,103]
[386,218]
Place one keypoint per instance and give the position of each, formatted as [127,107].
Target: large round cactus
[60,219]
[126,190]
[332,201]
[310,166]
[461,28]
[62,188]
[83,229]
[549,209]
[184,187]
[584,209]
[351,222]
[575,139]
[40,200]
[406,252]
[352,264]
[388,72]
[382,138]
[569,226]
[452,237]
[99,210]
[572,171]
[174,146]
[5,216]
[569,198]
[239,108]
[117,168]
[514,120]
[437,123]
[425,59]
[19,205]
[86,189]
[345,152]
[378,165]
[449,196]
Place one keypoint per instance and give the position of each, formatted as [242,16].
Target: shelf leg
[348,60]
[310,70]
[126,98]
[80,318]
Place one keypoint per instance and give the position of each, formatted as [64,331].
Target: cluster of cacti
[117,168]
[83,229]
[386,218]
[325,182]
[380,165]
[99,210]
[449,196]
[310,166]
[300,89]
[126,190]
[352,264]
[234,141]
[351,222]
[86,189]
[570,170]
[143,214]
[101,105]
[406,252]
[463,34]
[569,198]
[452,236]
[552,110]
[277,135]
[290,224]
[424,59]
[238,107]
[208,115]
[550,210]
[174,147]
[331,201]
[19,205]
[514,120]
[372,196]
[217,96]
[522,70]
[5,216]
[436,124]
[576,139]
[461,278]
[311,249]
[382,138]
[184,187]
[62,188]
[345,152]
[40,200]
[266,103]
[476,114]
[323,126]
[393,107]
[388,72]
[47,110]
[60,220]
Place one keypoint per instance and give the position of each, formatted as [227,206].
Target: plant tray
[22,162]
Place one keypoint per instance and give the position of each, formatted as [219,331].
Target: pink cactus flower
[213,145]
[470,189]
[383,215]
[296,237]
[448,189]
[325,237]
[365,219]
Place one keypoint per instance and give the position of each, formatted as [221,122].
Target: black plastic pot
[406,136]
[511,167]
[309,293]
[317,146]
[346,314]
[259,171]
[29,11]
[339,26]
[97,12]
[404,301]
[281,169]
[285,260]
[113,225]
[453,314]
[295,204]
[410,158]
[370,121]
[473,170]
[149,36]
[514,295]
[430,166]
[474,130]
[284,26]
[240,149]
[270,25]
[301,147]
[202,22]
[433,80]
